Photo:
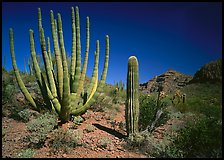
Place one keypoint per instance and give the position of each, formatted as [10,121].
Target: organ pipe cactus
[63,91]
[132,101]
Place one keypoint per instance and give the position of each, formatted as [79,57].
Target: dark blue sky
[178,35]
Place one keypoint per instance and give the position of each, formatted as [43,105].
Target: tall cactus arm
[96,89]
[132,102]
[49,53]
[18,77]
[106,61]
[66,90]
[91,88]
[93,85]
[25,66]
[47,65]
[45,91]
[65,110]
[39,20]
[83,74]
[57,56]
[103,76]
[30,66]
[78,51]
[73,58]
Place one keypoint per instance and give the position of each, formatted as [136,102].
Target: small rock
[64,155]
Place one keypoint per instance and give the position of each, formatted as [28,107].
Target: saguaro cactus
[63,91]
[132,101]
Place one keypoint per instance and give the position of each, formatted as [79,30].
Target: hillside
[210,72]
[169,81]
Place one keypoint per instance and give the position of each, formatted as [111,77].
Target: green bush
[63,140]
[24,115]
[202,137]
[89,128]
[148,109]
[118,96]
[40,127]
[104,141]
[8,89]
[26,153]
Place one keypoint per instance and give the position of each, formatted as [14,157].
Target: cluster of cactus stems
[132,101]
[62,91]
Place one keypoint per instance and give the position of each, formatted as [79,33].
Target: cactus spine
[63,91]
[132,102]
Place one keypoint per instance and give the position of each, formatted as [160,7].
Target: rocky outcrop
[210,72]
[169,82]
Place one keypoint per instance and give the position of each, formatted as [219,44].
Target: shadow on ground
[110,131]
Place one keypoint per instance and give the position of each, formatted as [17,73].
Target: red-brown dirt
[12,142]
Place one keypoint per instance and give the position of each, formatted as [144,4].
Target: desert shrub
[14,112]
[201,98]
[26,153]
[40,127]
[77,120]
[118,96]
[24,115]
[201,137]
[104,141]
[148,109]
[28,78]
[161,149]
[89,128]
[63,140]
[102,102]
[8,89]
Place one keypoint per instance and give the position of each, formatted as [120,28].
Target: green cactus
[25,71]
[63,91]
[121,85]
[4,63]
[30,64]
[132,101]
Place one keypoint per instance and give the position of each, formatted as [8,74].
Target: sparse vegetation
[89,128]
[104,141]
[62,140]
[26,153]
[40,127]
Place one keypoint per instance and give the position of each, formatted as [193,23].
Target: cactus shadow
[110,131]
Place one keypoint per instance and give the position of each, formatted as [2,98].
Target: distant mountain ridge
[210,72]
[169,82]
[172,80]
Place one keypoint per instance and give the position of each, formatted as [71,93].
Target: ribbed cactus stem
[132,102]
[78,51]
[57,56]
[25,71]
[65,110]
[30,66]
[83,74]
[49,52]
[73,58]
[49,73]
[18,77]
[62,90]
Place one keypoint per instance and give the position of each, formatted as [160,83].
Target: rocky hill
[210,72]
[169,81]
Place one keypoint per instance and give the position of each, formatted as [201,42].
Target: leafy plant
[149,109]
[104,141]
[62,140]
[26,153]
[201,131]
[24,115]
[89,128]
[40,127]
